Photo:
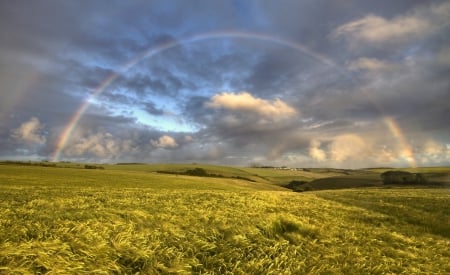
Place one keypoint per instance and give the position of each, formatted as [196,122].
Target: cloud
[245,102]
[30,132]
[397,51]
[376,29]
[188,138]
[417,24]
[369,64]
[434,152]
[241,119]
[101,144]
[341,148]
[443,57]
[316,152]
[348,146]
[165,141]
[150,107]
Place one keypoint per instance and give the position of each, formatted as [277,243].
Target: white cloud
[316,152]
[102,145]
[369,64]
[434,152]
[376,29]
[245,102]
[348,146]
[188,138]
[345,147]
[433,147]
[30,132]
[417,24]
[165,141]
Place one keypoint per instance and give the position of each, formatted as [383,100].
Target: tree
[402,177]
[199,172]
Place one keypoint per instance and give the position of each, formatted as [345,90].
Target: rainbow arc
[65,135]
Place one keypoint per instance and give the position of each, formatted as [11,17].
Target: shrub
[298,186]
[88,166]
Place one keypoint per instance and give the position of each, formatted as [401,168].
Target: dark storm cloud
[117,98]
[86,77]
[142,84]
[278,70]
[194,109]
[48,29]
[150,107]
[92,121]
[155,81]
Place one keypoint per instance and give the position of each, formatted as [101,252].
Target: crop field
[128,219]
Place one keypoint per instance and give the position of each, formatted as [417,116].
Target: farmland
[127,219]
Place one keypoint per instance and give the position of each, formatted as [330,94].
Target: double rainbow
[74,120]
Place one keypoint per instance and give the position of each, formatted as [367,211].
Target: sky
[319,83]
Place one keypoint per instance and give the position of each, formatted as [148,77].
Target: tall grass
[106,222]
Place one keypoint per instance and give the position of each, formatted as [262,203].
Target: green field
[128,219]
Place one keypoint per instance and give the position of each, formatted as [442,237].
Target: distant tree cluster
[200,172]
[89,166]
[29,163]
[299,186]
[402,177]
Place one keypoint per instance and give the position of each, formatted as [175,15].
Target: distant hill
[435,176]
[297,179]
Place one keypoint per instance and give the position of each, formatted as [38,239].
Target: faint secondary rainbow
[68,130]
[28,81]
[407,152]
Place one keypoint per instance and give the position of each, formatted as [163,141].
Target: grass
[225,171]
[108,178]
[131,220]
[419,208]
[282,177]
[351,181]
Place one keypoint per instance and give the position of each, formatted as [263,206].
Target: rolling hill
[123,219]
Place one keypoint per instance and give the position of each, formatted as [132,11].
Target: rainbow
[72,124]
[28,81]
[407,152]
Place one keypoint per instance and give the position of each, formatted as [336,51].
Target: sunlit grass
[82,221]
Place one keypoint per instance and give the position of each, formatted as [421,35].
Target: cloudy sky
[337,83]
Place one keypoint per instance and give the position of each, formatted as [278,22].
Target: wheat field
[132,221]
